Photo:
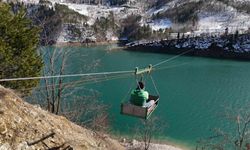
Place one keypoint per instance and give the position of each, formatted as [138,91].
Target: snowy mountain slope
[196,16]
[185,16]
[204,17]
[212,16]
[96,11]
[97,15]
[231,18]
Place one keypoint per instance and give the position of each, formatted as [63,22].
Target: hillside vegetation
[27,127]
[19,40]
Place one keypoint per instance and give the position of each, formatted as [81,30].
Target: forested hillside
[110,20]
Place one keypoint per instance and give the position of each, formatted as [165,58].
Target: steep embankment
[24,126]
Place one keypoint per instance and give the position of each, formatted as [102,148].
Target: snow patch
[160,24]
[81,9]
[211,22]
[97,11]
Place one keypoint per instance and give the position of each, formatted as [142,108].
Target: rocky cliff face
[24,126]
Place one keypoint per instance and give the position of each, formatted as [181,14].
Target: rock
[37,107]
[3,128]
[10,135]
[17,119]
[23,146]
[34,114]
[13,125]
[134,142]
[1,112]
[5,146]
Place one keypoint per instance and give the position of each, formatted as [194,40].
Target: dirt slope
[24,126]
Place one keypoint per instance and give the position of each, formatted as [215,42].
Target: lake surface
[193,91]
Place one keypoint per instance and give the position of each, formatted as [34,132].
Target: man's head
[140,85]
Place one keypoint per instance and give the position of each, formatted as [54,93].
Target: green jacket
[139,97]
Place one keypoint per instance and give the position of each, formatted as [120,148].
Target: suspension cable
[171,66]
[172,58]
[68,75]
[89,74]
[73,84]
[157,91]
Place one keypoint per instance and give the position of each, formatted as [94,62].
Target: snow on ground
[219,22]
[171,4]
[81,9]
[93,12]
[110,36]
[153,146]
[26,1]
[241,0]
[97,11]
[61,38]
[154,11]
[160,24]
[211,22]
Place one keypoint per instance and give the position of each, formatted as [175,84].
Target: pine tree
[18,43]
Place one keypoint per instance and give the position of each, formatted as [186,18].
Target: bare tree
[146,131]
[237,136]
[61,95]
[54,87]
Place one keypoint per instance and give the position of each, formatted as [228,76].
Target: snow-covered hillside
[209,20]
[213,21]
[217,22]
[190,16]
[97,11]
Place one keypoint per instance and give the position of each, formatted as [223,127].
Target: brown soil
[25,126]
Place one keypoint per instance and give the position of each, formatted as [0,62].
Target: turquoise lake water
[193,91]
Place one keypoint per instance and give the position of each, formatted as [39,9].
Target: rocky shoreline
[224,47]
[137,145]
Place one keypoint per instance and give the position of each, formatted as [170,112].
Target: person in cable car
[140,97]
